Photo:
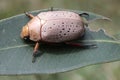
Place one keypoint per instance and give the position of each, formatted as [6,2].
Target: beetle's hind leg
[51,9]
[29,15]
[82,45]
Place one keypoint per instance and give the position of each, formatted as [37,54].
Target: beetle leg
[35,52]
[85,15]
[86,20]
[51,9]
[83,45]
[29,15]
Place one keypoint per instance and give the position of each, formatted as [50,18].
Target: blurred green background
[108,8]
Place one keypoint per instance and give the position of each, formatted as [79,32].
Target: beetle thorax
[34,29]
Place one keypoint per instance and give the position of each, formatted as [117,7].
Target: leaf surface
[16,55]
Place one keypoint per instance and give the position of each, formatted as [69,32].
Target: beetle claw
[33,59]
[35,55]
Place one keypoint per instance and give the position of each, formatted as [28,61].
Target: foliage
[15,54]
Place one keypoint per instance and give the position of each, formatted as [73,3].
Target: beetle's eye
[26,38]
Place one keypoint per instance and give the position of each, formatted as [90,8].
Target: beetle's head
[25,32]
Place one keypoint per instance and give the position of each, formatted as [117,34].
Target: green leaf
[16,55]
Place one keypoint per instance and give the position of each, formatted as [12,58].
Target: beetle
[54,27]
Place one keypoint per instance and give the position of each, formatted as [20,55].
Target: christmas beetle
[54,27]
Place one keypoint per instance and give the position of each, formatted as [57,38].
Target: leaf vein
[105,41]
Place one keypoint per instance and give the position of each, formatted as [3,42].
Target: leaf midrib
[26,45]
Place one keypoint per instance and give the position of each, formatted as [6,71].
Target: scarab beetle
[54,27]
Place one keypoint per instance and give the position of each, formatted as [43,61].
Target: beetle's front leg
[35,52]
[29,15]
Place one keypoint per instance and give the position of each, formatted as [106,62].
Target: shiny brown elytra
[54,27]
